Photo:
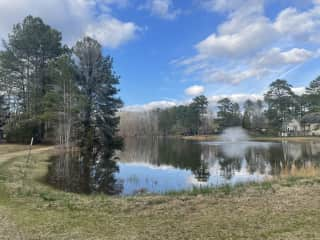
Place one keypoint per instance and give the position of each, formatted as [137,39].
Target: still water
[160,165]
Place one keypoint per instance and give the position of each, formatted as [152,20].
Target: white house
[292,128]
[311,124]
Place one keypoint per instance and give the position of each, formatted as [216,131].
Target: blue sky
[168,51]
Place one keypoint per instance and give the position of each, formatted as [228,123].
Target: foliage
[313,95]
[253,116]
[63,101]
[24,62]
[228,113]
[282,104]
[184,119]
[65,96]
[99,122]
[3,110]
[22,131]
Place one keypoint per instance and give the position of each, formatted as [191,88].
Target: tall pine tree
[24,63]
[99,123]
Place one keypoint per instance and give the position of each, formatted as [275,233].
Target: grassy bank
[287,208]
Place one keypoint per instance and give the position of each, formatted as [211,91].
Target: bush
[22,131]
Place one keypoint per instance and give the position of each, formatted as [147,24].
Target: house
[311,124]
[291,128]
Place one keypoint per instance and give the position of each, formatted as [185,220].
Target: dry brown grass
[305,172]
[202,138]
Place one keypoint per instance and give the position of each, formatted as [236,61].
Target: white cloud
[161,8]
[299,90]
[301,25]
[245,24]
[237,97]
[233,77]
[233,6]
[275,57]
[74,18]
[150,106]
[111,32]
[236,45]
[195,90]
[249,45]
[265,64]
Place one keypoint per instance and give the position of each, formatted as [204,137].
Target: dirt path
[7,156]
[8,230]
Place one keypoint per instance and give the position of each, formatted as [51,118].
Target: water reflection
[173,164]
[166,164]
[70,173]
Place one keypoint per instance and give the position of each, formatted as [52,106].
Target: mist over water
[234,143]
[234,134]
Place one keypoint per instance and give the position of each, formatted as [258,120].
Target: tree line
[189,119]
[269,115]
[53,93]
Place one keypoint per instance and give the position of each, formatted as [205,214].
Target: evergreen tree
[200,107]
[248,114]
[228,113]
[99,125]
[281,104]
[313,95]
[30,47]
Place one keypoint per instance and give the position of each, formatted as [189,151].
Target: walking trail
[8,230]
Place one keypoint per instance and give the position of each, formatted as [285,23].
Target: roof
[311,118]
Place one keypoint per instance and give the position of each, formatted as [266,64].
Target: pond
[160,165]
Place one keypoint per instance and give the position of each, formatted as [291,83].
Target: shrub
[22,131]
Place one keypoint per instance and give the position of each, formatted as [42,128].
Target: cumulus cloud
[300,25]
[275,57]
[258,34]
[161,8]
[249,45]
[195,90]
[111,32]
[75,18]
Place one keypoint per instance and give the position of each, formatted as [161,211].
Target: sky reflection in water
[160,165]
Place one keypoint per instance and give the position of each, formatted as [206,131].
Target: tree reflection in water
[164,164]
[68,172]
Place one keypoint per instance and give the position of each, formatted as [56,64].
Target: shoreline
[255,138]
[271,209]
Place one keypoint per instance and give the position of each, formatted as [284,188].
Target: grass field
[286,208]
